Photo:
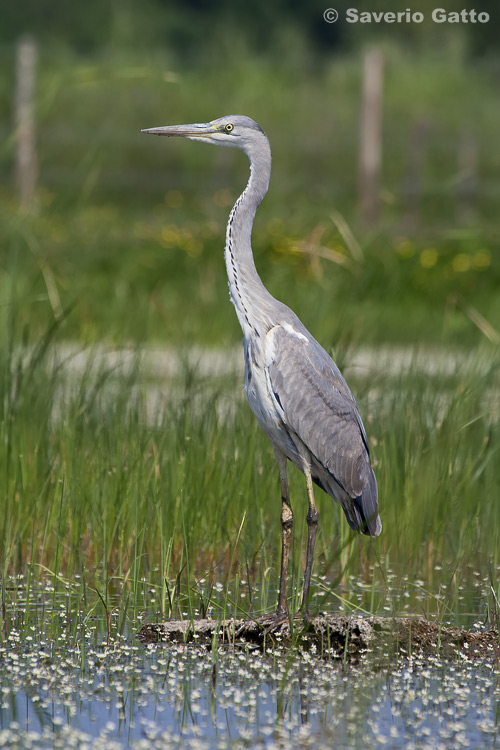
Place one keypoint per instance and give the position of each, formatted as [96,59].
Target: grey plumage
[294,388]
[321,411]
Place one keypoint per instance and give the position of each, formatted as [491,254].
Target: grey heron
[294,388]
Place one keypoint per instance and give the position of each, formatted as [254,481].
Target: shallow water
[67,688]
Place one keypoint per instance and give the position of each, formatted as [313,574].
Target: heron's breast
[259,396]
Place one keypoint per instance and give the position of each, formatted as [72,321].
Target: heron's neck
[248,294]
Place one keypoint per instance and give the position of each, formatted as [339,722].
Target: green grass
[175,509]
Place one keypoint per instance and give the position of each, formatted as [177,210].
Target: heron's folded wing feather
[319,407]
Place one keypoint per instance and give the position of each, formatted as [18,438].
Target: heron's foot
[268,623]
[272,622]
[303,614]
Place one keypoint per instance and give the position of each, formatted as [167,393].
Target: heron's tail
[365,510]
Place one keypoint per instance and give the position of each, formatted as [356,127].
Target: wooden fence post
[371,137]
[467,169]
[413,186]
[26,161]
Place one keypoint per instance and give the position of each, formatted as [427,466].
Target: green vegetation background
[124,244]
[129,230]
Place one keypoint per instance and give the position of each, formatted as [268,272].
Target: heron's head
[235,131]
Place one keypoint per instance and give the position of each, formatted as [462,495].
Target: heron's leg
[312,527]
[286,531]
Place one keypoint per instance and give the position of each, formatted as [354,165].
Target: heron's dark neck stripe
[235,271]
[247,291]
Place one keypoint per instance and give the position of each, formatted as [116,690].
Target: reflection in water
[59,691]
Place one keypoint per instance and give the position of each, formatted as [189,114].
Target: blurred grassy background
[129,230]
[124,244]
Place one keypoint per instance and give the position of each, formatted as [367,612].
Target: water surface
[63,687]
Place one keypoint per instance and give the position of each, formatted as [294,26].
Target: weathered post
[371,137]
[413,187]
[467,170]
[26,161]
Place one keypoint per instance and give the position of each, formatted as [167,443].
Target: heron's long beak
[198,130]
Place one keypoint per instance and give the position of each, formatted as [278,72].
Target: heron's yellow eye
[228,127]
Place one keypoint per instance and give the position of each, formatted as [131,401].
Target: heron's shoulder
[291,352]
[288,332]
[290,338]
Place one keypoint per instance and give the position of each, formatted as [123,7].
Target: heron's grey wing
[319,408]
